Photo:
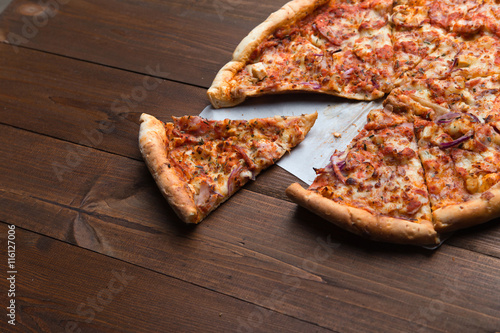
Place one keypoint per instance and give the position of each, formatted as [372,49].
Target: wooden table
[97,249]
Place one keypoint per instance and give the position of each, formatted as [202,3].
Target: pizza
[198,163]
[429,161]
[374,188]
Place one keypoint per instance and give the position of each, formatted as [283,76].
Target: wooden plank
[134,34]
[254,247]
[482,238]
[94,106]
[63,288]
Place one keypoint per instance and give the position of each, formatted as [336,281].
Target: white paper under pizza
[339,121]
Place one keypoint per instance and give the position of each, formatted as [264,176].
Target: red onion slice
[456,142]
[232,179]
[474,118]
[495,128]
[335,160]
[347,73]
[337,166]
[453,65]
[447,117]
[314,85]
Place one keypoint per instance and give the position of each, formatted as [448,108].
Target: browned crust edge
[363,223]
[219,92]
[481,209]
[152,144]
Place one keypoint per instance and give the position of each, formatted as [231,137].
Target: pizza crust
[363,223]
[482,208]
[219,92]
[152,144]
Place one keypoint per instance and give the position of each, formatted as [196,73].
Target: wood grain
[133,34]
[64,288]
[482,238]
[94,106]
[72,181]
[254,248]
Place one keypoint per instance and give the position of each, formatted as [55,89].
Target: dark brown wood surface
[99,250]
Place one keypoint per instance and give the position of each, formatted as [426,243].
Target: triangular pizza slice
[461,159]
[375,188]
[336,47]
[198,164]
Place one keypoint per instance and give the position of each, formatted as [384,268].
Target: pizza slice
[461,159]
[336,47]
[375,188]
[198,164]
[365,69]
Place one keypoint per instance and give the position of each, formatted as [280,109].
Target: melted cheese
[439,63]
[413,45]
[479,57]
[379,172]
